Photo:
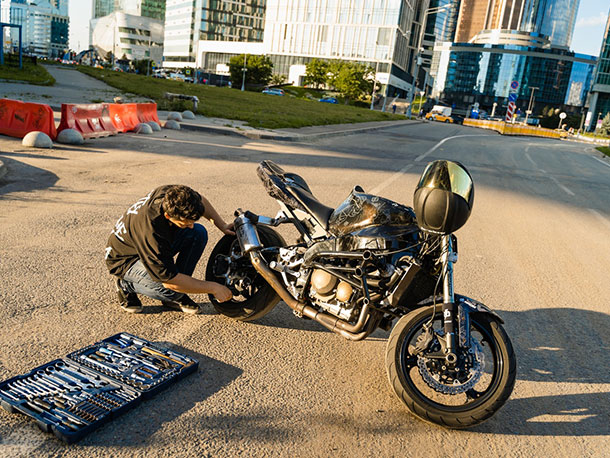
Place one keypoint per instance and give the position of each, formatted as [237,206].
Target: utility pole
[243,78]
[374,86]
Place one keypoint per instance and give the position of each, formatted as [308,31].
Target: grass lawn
[30,73]
[296,109]
[604,149]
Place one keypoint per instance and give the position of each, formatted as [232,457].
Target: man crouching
[145,240]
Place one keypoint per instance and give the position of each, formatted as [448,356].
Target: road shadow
[585,414]
[136,426]
[283,317]
[21,177]
[565,345]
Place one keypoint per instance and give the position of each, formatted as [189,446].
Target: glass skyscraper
[468,72]
[553,18]
[148,8]
[599,99]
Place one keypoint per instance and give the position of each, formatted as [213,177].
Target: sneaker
[129,302]
[185,304]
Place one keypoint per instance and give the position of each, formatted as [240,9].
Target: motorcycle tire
[458,411]
[263,299]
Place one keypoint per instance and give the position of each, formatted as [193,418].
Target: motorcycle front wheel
[253,297]
[456,397]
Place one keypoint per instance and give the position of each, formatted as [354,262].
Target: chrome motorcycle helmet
[444,197]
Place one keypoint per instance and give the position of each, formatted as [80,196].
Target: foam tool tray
[73,396]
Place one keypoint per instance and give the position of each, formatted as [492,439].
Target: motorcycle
[374,263]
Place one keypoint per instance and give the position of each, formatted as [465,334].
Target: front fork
[449,308]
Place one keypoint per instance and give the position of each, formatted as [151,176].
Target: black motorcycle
[367,264]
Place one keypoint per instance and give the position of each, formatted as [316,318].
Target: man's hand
[227,229]
[222,293]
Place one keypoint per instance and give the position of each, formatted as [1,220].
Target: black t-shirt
[144,233]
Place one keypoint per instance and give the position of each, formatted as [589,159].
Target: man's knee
[200,234]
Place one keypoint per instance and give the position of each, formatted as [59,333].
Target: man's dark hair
[183,202]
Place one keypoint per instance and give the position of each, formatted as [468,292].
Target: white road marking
[435,147]
[390,180]
[599,160]
[542,170]
[529,158]
[401,172]
[561,186]
[600,217]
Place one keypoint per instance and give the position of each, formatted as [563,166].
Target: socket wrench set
[73,396]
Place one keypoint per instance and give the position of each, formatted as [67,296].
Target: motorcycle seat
[293,190]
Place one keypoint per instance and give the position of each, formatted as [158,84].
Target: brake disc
[449,381]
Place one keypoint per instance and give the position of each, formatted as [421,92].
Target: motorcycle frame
[454,318]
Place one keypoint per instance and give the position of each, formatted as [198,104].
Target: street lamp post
[418,55]
[531,104]
[374,86]
[243,78]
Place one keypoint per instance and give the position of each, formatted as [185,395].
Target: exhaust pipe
[357,331]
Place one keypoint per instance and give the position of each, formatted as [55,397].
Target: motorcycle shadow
[556,347]
[136,426]
[560,345]
[561,415]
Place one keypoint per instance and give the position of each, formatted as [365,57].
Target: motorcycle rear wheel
[259,298]
[462,410]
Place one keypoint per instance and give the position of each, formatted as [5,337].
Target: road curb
[290,137]
[2,170]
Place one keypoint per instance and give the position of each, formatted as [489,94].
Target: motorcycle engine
[331,294]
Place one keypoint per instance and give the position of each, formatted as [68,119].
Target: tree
[277,79]
[605,128]
[258,73]
[316,73]
[353,81]
[142,66]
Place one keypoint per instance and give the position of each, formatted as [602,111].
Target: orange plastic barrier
[124,116]
[18,118]
[148,112]
[92,121]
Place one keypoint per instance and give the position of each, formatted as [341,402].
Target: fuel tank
[361,210]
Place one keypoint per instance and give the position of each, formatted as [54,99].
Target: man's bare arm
[189,285]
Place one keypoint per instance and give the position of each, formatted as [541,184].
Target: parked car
[328,100]
[440,113]
[457,119]
[273,91]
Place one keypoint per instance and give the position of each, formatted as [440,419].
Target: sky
[588,33]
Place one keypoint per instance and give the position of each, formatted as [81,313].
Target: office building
[45,26]
[468,73]
[380,33]
[148,8]
[599,99]
[135,37]
[553,19]
[130,28]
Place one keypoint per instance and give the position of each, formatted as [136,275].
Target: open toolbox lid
[73,396]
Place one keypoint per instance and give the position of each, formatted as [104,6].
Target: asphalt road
[535,249]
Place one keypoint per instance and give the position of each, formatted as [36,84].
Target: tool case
[73,396]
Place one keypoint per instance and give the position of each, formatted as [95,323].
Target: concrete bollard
[70,137]
[143,129]
[188,114]
[174,116]
[37,140]
[171,124]
[154,126]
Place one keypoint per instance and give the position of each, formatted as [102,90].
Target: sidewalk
[239,128]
